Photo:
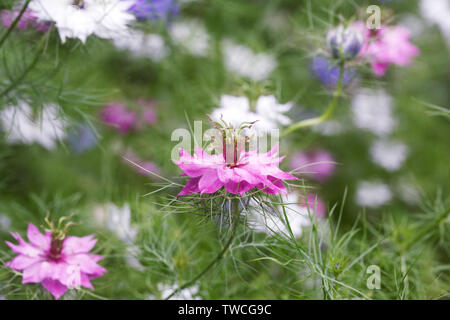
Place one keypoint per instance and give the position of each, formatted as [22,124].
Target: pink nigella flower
[125,119]
[145,167]
[316,164]
[148,106]
[386,46]
[119,116]
[245,171]
[56,261]
[28,20]
[315,205]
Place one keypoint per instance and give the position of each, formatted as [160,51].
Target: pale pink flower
[28,20]
[386,46]
[315,205]
[143,167]
[120,117]
[248,170]
[148,106]
[59,264]
[315,164]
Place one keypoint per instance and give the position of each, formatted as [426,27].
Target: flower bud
[344,43]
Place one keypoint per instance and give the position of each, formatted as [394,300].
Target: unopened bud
[345,43]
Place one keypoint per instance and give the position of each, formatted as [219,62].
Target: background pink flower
[148,110]
[147,165]
[59,264]
[315,205]
[119,116]
[28,20]
[386,46]
[315,164]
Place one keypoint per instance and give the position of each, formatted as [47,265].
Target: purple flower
[328,72]
[119,116]
[154,9]
[316,164]
[82,138]
[345,43]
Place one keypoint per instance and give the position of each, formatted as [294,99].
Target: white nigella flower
[20,126]
[268,112]
[131,257]
[372,110]
[191,35]
[328,128]
[244,62]
[5,222]
[413,23]
[142,44]
[373,194]
[298,216]
[81,18]
[437,12]
[117,220]
[389,154]
[165,290]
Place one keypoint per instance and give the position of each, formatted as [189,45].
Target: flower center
[55,248]
[232,147]
[79,4]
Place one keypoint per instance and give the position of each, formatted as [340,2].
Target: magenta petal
[56,288]
[86,282]
[72,244]
[22,262]
[85,262]
[37,238]
[232,187]
[209,183]
[190,187]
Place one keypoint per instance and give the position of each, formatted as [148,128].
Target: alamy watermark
[374,280]
[373,21]
[229,142]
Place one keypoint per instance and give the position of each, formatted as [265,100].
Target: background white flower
[268,113]
[372,110]
[165,290]
[244,62]
[131,256]
[372,194]
[192,36]
[298,216]
[389,154]
[142,44]
[328,128]
[437,12]
[117,220]
[104,18]
[20,125]
[5,222]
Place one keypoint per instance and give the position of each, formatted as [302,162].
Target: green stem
[31,66]
[327,114]
[219,256]
[15,22]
